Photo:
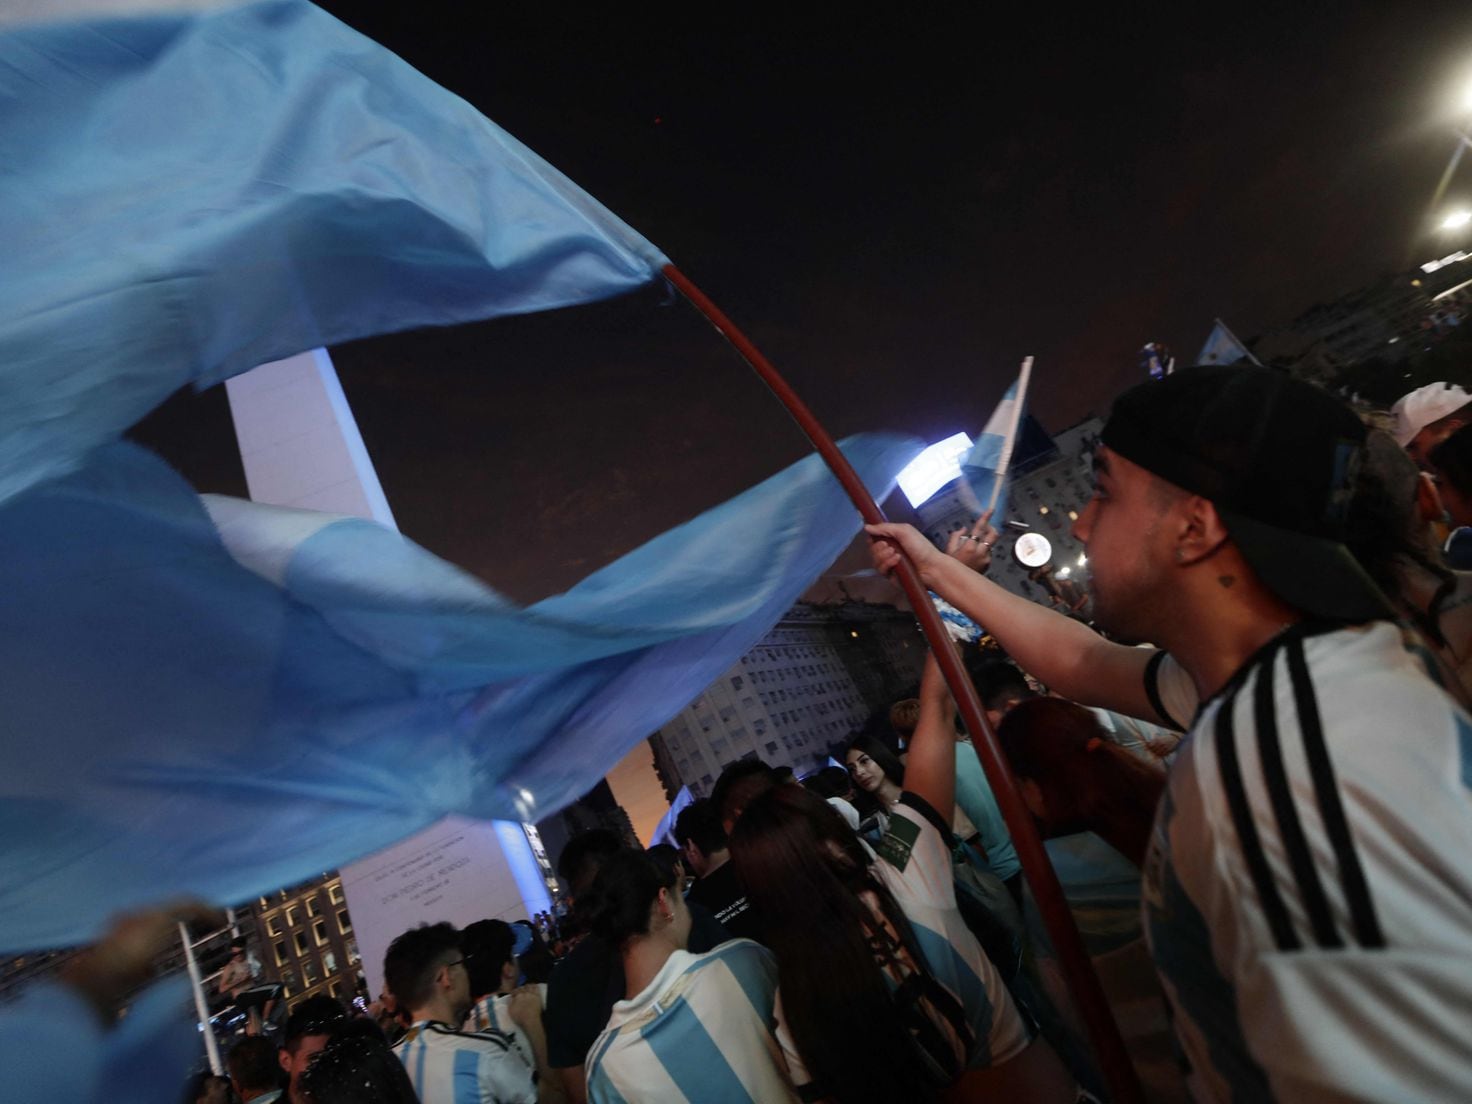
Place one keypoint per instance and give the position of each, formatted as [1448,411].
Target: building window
[288,982]
[293,917]
[280,948]
[301,942]
[329,963]
[319,932]
[312,906]
[334,893]
[310,973]
[273,924]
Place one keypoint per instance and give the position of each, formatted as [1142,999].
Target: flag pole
[1011,443]
[1078,971]
[201,1004]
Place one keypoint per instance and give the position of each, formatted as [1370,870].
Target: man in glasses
[425,971]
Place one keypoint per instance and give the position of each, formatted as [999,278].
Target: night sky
[897,212]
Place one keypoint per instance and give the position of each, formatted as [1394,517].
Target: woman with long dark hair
[884,992]
[693,1028]
[878,774]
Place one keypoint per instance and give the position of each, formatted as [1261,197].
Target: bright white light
[1466,103]
[934,468]
[1451,258]
[1082,559]
[1456,220]
[1064,572]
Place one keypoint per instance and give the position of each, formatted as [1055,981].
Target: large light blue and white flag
[986,469]
[220,698]
[1222,347]
[186,195]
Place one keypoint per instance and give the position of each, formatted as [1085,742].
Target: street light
[1456,220]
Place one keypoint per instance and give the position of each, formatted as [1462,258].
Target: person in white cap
[1429,415]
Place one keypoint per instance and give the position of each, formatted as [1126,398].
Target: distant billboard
[934,468]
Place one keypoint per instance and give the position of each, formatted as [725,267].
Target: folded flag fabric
[221,698]
[192,193]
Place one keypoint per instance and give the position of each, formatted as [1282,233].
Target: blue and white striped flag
[986,468]
[187,194]
[1223,347]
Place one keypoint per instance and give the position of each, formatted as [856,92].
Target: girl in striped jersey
[885,993]
[694,1028]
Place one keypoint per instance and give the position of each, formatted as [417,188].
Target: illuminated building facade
[1047,492]
[816,677]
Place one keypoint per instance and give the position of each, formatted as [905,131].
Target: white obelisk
[300,447]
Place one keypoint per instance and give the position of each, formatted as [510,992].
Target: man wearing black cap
[1308,889]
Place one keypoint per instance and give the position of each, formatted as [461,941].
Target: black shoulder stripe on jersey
[1257,864]
[1152,691]
[1367,931]
[489,1034]
[1290,830]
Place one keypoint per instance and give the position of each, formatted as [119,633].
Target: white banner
[455,870]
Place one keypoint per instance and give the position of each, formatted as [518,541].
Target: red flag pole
[1114,1062]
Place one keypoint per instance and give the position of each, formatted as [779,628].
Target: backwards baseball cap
[1277,457]
[1418,409]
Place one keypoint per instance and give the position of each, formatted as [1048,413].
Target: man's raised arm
[1067,655]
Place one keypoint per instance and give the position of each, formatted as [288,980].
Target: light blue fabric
[991,451]
[183,718]
[54,1050]
[185,196]
[974,797]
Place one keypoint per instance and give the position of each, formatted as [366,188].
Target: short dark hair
[319,1015]
[829,782]
[738,784]
[700,823]
[413,959]
[238,943]
[488,946]
[584,854]
[904,717]
[998,682]
[356,1066]
[253,1064]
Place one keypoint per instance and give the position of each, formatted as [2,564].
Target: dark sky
[897,211]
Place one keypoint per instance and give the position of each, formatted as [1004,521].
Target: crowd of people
[1266,716]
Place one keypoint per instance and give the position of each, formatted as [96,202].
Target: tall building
[1047,493]
[818,675]
[304,939]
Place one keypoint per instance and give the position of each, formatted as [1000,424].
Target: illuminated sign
[934,468]
[1451,258]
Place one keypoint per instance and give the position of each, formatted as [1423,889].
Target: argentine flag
[1223,347]
[986,468]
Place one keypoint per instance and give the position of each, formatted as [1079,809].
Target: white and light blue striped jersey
[1308,890]
[456,1067]
[492,1013]
[700,1033]
[915,866]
